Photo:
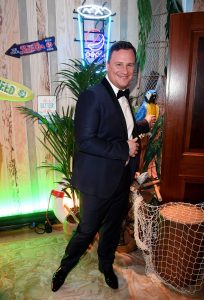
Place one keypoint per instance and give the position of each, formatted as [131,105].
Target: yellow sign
[13,91]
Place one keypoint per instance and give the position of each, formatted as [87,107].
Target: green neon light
[29,198]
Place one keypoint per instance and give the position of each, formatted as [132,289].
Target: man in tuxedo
[105,163]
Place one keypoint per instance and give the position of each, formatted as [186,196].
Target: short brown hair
[121,45]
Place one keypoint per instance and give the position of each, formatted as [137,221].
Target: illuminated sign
[95,38]
[98,42]
[13,91]
[94,12]
[95,46]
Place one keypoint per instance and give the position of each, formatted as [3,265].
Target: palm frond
[58,138]
[78,75]
[58,131]
[145,20]
[154,146]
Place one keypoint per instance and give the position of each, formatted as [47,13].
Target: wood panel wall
[24,187]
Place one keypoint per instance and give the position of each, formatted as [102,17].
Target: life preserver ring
[62,205]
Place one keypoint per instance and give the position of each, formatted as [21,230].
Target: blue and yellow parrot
[148,106]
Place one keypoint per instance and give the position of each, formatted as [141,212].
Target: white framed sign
[46,105]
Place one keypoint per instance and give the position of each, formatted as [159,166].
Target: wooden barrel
[178,252]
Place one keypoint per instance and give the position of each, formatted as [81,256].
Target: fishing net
[171,237]
[156,52]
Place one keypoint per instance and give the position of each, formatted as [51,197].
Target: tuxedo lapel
[134,133]
[109,89]
[116,103]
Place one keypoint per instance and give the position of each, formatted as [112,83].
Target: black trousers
[103,215]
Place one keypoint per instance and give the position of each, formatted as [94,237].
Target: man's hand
[133,147]
[151,119]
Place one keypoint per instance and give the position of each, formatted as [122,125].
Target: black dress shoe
[58,279]
[111,279]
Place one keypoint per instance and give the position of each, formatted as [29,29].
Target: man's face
[121,68]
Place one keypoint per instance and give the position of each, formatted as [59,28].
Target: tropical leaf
[58,139]
[58,131]
[154,146]
[145,21]
[78,76]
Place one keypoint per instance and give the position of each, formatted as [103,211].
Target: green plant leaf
[58,130]
[145,20]
[154,146]
[58,139]
[78,76]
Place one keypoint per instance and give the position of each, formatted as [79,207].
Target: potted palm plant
[78,75]
[58,130]
[58,139]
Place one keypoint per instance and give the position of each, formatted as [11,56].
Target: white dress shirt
[125,108]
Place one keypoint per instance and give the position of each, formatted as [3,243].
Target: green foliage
[78,76]
[145,20]
[58,140]
[58,131]
[154,146]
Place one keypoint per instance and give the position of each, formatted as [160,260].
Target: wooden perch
[153,182]
[70,212]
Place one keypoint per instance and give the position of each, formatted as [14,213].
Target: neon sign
[98,41]
[94,40]
[94,12]
[95,46]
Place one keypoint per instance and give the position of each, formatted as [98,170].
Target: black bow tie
[123,93]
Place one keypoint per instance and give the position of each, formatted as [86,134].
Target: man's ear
[107,66]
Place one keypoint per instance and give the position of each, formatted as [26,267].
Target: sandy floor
[28,261]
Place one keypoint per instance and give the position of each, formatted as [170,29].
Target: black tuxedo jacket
[101,141]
